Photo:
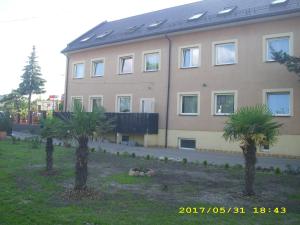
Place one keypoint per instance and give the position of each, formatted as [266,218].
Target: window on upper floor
[96,102]
[279,102]
[188,103]
[78,70]
[225,53]
[126,64]
[277,43]
[97,68]
[224,103]
[124,103]
[151,61]
[190,57]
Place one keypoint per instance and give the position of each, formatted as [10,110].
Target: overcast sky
[50,25]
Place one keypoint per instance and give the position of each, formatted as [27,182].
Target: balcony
[131,123]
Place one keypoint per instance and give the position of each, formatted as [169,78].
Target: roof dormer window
[85,39]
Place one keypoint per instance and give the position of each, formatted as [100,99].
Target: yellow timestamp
[231,210]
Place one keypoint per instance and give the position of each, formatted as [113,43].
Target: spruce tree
[32,82]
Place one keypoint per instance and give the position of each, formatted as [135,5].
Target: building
[194,65]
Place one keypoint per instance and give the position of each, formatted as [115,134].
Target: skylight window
[226,11]
[104,34]
[276,2]
[134,28]
[86,39]
[196,16]
[156,24]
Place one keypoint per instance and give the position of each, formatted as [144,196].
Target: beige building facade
[210,72]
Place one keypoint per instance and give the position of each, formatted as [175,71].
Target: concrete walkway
[218,158]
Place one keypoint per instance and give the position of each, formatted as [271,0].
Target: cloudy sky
[50,25]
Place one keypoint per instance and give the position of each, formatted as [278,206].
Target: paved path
[219,158]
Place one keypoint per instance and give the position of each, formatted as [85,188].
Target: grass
[28,198]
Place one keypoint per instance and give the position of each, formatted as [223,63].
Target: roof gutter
[168,89]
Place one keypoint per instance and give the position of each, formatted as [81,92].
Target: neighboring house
[194,65]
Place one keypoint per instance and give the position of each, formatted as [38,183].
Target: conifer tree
[32,82]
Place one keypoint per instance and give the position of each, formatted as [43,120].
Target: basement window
[277,2]
[106,33]
[226,11]
[186,143]
[196,16]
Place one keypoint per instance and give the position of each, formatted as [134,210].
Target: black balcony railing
[133,123]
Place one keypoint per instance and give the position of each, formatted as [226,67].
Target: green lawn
[27,197]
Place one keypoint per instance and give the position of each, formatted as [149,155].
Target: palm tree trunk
[81,164]
[49,154]
[250,160]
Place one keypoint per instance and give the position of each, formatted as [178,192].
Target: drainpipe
[66,85]
[168,90]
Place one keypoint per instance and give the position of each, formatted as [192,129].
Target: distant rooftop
[187,17]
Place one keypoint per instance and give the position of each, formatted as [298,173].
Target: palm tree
[253,127]
[82,126]
[51,128]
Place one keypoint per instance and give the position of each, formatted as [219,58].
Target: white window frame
[158,51]
[214,49]
[92,97]
[290,35]
[151,99]
[93,61]
[280,90]
[214,95]
[76,97]
[74,70]
[119,63]
[179,103]
[180,56]
[191,139]
[117,106]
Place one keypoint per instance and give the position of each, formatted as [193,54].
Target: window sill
[125,73]
[190,67]
[282,115]
[223,114]
[150,71]
[93,76]
[78,78]
[188,114]
[226,64]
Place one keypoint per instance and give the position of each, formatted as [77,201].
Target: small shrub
[14,140]
[104,150]
[118,153]
[184,160]
[226,166]
[133,155]
[205,163]
[166,159]
[35,143]
[126,154]
[148,157]
[277,171]
[92,150]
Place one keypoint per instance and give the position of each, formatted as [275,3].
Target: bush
[35,143]
[226,166]
[133,155]
[205,163]
[148,157]
[166,159]
[5,122]
[184,160]
[118,153]
[277,171]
